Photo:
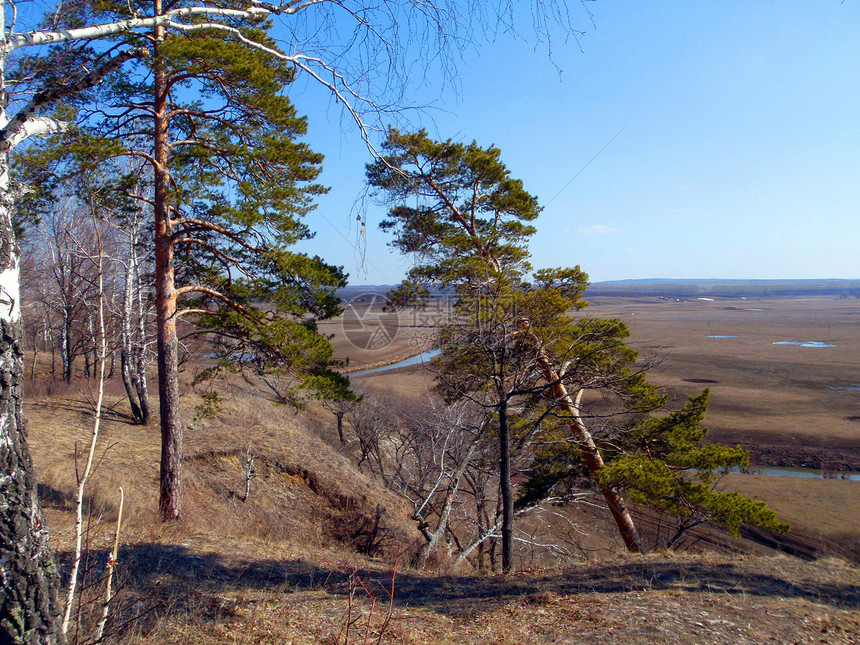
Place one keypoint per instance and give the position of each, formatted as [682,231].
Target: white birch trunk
[127,363]
[101,342]
[29,606]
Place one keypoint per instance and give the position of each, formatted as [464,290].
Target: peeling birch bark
[29,606]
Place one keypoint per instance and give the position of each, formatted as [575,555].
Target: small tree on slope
[663,463]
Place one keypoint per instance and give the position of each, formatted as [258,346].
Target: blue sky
[738,153]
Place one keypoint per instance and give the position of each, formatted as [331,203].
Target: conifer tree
[663,463]
[513,346]
[470,227]
[230,186]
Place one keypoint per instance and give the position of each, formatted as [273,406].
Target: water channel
[418,359]
[806,473]
[804,343]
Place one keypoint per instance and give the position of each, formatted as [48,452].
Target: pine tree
[510,337]
[231,183]
[664,463]
[513,345]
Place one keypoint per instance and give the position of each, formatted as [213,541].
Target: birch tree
[70,289]
[135,337]
[29,607]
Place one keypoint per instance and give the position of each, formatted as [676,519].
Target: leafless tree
[440,457]
[69,292]
[136,339]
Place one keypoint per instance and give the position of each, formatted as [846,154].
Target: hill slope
[290,563]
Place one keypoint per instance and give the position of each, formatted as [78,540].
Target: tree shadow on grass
[173,578]
[84,408]
[65,500]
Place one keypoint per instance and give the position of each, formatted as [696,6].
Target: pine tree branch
[196,288]
[227,260]
[195,225]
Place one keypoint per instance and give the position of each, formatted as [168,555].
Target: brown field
[779,401]
[408,332]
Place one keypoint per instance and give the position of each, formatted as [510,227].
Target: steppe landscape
[226,417]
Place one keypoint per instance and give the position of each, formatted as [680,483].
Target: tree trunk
[505,485]
[140,384]
[593,458]
[479,513]
[86,354]
[29,608]
[66,346]
[170,496]
[450,495]
[90,353]
[138,374]
[53,359]
[126,356]
[339,416]
[130,392]
[494,547]
[33,364]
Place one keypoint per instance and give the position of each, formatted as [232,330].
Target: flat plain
[790,405]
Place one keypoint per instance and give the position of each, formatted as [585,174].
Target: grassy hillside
[315,546]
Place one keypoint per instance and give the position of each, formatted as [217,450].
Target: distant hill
[365,292]
[362,292]
[682,288]
[726,288]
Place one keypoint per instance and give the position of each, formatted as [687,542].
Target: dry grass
[781,403]
[776,401]
[306,497]
[826,506]
[303,490]
[222,599]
